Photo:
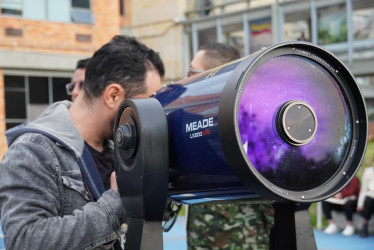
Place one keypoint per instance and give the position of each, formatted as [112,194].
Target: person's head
[126,62]
[75,86]
[212,55]
[122,68]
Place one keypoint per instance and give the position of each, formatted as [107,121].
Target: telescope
[286,125]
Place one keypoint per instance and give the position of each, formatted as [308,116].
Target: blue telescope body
[287,123]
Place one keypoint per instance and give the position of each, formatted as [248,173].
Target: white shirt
[367,186]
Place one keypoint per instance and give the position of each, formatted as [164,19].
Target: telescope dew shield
[287,123]
[298,123]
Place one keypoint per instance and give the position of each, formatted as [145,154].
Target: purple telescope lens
[318,104]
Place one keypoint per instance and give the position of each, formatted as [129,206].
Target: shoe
[331,229]
[348,230]
[364,231]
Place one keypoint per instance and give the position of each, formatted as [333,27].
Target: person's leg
[327,208]
[368,208]
[349,207]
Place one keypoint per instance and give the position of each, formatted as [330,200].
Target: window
[80,4]
[59,90]
[78,11]
[26,97]
[366,83]
[297,25]
[207,36]
[59,10]
[15,100]
[332,24]
[11,7]
[233,35]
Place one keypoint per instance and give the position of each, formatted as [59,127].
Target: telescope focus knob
[125,137]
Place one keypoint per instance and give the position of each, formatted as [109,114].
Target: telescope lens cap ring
[297,123]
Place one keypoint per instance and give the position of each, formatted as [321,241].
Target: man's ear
[114,95]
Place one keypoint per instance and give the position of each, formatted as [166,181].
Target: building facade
[343,27]
[40,44]
[41,40]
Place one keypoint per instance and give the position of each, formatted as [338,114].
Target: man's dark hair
[217,54]
[82,64]
[123,60]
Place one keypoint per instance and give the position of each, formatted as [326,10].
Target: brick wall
[152,22]
[126,19]
[61,37]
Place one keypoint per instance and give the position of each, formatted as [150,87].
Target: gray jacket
[43,200]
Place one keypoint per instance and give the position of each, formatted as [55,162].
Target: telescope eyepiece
[125,137]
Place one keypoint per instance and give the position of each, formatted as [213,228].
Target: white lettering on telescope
[280,190]
[193,126]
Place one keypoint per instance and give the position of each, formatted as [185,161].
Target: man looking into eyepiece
[57,187]
[75,86]
[225,226]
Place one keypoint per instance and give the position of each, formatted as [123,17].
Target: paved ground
[175,239]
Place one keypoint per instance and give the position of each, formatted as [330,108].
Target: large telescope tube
[287,123]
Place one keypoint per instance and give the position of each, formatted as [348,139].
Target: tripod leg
[292,228]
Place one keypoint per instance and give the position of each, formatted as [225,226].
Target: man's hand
[339,196]
[113,182]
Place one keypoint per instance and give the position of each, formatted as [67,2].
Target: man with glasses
[75,86]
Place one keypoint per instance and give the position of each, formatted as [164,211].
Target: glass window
[38,90]
[363,24]
[38,96]
[332,24]
[261,35]
[82,16]
[24,104]
[59,10]
[297,26]
[207,36]
[298,30]
[35,9]
[11,7]
[59,90]
[15,104]
[366,83]
[233,35]
[80,4]
[81,12]
[14,82]
[15,97]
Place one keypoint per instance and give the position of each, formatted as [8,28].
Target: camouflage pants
[229,226]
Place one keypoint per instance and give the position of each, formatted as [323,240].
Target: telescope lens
[285,79]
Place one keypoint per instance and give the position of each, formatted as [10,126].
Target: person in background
[346,201]
[365,205]
[75,86]
[225,226]
[58,189]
